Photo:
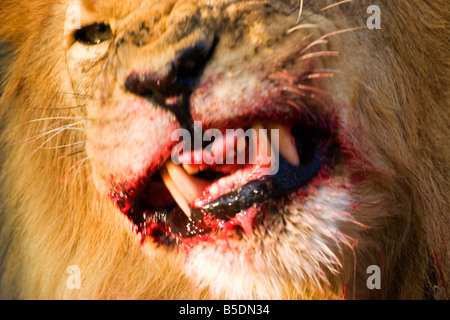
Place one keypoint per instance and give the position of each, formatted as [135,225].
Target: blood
[437,258]
[230,203]
[245,220]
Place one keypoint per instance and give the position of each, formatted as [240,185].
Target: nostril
[145,84]
[178,77]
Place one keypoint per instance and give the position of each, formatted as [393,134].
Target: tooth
[193,157]
[176,193]
[263,145]
[224,145]
[191,169]
[286,145]
[260,144]
[230,157]
[241,143]
[192,161]
[195,161]
[190,186]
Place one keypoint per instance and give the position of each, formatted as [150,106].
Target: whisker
[304,26]
[47,133]
[306,37]
[307,17]
[56,118]
[59,130]
[322,39]
[288,89]
[46,141]
[314,43]
[53,109]
[313,89]
[322,10]
[318,75]
[336,32]
[320,54]
[81,167]
[334,5]
[79,162]
[340,72]
[283,75]
[298,106]
[68,127]
[70,155]
[66,145]
[300,12]
[84,95]
[45,119]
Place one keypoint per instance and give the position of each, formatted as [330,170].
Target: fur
[388,205]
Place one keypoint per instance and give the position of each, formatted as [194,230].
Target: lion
[352,96]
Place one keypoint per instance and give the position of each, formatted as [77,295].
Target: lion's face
[161,66]
[356,136]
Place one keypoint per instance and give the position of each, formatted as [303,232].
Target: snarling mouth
[195,201]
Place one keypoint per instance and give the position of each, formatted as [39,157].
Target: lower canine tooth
[176,193]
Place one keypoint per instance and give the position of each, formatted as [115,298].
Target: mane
[50,220]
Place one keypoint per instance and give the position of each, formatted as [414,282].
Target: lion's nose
[176,78]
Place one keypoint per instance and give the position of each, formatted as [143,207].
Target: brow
[115,8]
[111,8]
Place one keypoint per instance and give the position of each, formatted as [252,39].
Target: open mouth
[197,200]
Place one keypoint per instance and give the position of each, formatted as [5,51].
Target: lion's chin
[200,201]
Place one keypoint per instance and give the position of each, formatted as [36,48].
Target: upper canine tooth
[286,144]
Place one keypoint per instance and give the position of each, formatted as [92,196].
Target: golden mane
[51,216]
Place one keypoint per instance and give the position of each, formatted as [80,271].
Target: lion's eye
[93,34]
